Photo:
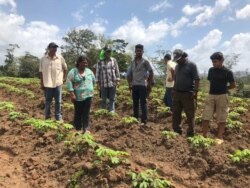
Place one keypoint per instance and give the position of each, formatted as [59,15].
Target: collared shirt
[82,86]
[170,65]
[139,71]
[185,75]
[52,70]
[107,73]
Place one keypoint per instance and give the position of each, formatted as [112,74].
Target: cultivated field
[118,152]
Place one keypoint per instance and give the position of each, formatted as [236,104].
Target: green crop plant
[16,115]
[105,113]
[240,156]
[78,142]
[42,125]
[240,109]
[198,119]
[199,141]
[129,120]
[9,106]
[148,179]
[162,111]
[169,134]
[156,101]
[68,106]
[75,179]
[234,115]
[234,124]
[63,131]
[111,156]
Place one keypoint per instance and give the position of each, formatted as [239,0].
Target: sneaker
[218,141]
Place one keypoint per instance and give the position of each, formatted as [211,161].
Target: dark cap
[167,56]
[52,45]
[178,54]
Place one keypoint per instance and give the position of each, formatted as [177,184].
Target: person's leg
[189,105]
[207,114]
[58,101]
[48,99]
[78,115]
[135,97]
[165,98]
[205,127]
[104,92]
[143,103]
[221,130]
[169,98]
[177,110]
[112,92]
[222,104]
[85,113]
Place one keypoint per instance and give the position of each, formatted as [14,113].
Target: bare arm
[232,85]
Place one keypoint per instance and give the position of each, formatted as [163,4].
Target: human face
[107,53]
[52,50]
[83,64]
[217,63]
[138,52]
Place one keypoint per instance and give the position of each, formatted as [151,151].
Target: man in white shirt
[52,71]
[169,80]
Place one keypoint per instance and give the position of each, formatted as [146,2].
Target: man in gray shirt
[186,83]
[140,80]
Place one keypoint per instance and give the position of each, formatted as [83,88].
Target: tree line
[77,42]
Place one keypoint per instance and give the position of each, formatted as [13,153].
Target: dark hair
[217,55]
[80,59]
[167,56]
[139,46]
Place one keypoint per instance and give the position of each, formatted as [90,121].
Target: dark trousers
[139,95]
[81,116]
[168,98]
[183,101]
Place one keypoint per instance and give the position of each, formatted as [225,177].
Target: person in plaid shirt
[108,78]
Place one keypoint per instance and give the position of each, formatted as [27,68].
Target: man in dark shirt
[217,100]
[186,83]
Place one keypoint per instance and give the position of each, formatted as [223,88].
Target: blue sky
[199,27]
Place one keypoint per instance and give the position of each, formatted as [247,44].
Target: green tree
[231,60]
[10,68]
[78,42]
[28,66]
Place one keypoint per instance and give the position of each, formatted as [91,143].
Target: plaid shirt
[107,73]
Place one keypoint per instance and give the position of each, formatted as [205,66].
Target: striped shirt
[107,73]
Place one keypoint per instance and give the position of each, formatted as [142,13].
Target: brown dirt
[29,159]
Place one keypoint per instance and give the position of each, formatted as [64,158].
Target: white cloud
[77,15]
[12,3]
[239,44]
[209,13]
[96,27]
[32,37]
[243,13]
[201,52]
[99,4]
[161,6]
[134,31]
[176,28]
[190,10]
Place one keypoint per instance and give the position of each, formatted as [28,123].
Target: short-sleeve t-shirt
[219,78]
[185,74]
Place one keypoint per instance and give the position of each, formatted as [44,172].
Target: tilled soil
[31,159]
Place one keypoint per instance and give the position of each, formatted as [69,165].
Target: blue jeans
[108,93]
[139,95]
[168,98]
[55,93]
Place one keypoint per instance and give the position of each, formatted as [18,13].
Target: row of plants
[22,91]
